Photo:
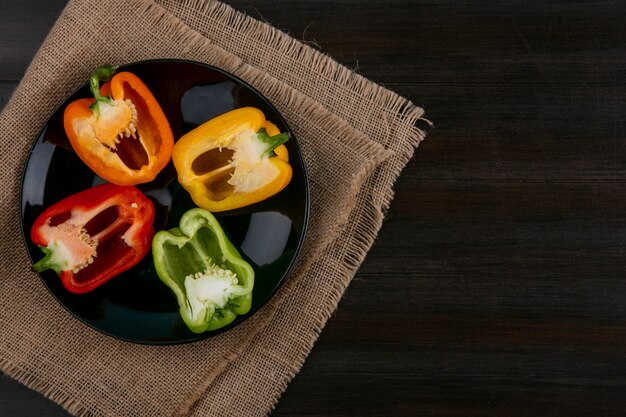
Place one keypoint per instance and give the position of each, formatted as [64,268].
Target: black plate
[136,306]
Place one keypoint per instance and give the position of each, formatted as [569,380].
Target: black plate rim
[252,312]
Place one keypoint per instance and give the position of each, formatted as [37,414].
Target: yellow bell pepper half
[233,160]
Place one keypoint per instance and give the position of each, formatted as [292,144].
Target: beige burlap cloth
[355,136]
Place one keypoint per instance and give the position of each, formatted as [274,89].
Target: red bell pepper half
[94,235]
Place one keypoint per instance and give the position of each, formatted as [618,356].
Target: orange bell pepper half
[122,133]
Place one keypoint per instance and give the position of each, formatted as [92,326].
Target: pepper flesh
[211,281]
[233,160]
[94,235]
[122,134]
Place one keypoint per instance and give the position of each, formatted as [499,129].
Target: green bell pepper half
[211,281]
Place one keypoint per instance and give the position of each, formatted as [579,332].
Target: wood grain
[496,286]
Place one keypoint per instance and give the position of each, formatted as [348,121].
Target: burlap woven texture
[355,137]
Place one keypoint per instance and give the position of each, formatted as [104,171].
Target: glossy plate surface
[136,306]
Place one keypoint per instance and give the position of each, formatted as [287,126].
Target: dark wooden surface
[497,285]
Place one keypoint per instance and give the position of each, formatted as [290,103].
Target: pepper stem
[273,142]
[47,262]
[103,73]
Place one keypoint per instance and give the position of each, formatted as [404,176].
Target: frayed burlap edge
[45,388]
[321,63]
[364,231]
[377,96]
